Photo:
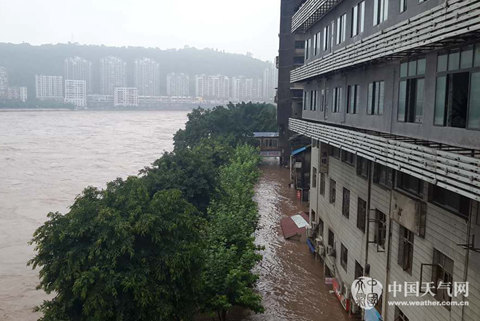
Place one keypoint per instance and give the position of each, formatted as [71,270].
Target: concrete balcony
[310,12]
[441,26]
[454,169]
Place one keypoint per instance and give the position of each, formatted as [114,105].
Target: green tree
[231,253]
[120,254]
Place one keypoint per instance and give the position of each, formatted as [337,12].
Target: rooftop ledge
[310,12]
[455,169]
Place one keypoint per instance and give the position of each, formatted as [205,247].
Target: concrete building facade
[49,87]
[77,68]
[3,82]
[76,92]
[391,103]
[178,84]
[112,74]
[146,77]
[17,93]
[125,97]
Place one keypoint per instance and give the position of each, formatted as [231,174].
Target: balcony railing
[310,12]
[452,170]
[440,26]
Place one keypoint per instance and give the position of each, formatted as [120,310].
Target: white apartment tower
[178,84]
[17,93]
[125,97]
[112,74]
[3,82]
[76,92]
[147,77]
[49,87]
[77,68]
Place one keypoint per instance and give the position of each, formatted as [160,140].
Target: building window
[376,96]
[363,167]
[348,158]
[380,11]
[325,37]
[403,5]
[410,184]
[322,99]
[341,28]
[399,315]
[314,45]
[405,249]
[380,229]
[299,60]
[317,43]
[451,201]
[411,94]
[344,257]
[313,100]
[322,183]
[353,93]
[333,191]
[299,44]
[334,151]
[305,100]
[346,203]
[442,272]
[383,175]
[331,238]
[314,177]
[457,96]
[337,99]
[358,18]
[358,270]
[361,214]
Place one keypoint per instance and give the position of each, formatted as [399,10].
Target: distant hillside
[23,61]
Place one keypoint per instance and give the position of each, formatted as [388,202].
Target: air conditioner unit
[331,251]
[409,212]
[319,240]
[321,250]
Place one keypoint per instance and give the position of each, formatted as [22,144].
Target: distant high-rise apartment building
[3,82]
[270,79]
[76,92]
[17,93]
[212,86]
[146,77]
[77,68]
[178,84]
[201,86]
[125,96]
[49,87]
[112,74]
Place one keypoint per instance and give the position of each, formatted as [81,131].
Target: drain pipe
[389,245]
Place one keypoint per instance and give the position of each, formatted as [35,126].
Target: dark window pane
[421,67]
[412,68]
[458,100]
[453,60]
[474,110]
[403,69]
[466,58]
[440,96]
[442,63]
[476,62]
[419,100]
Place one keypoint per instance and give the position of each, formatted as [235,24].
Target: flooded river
[47,158]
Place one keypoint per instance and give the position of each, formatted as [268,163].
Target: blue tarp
[372,315]
[310,246]
[298,151]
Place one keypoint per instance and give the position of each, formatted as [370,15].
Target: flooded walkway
[291,279]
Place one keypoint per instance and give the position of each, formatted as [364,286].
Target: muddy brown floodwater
[291,279]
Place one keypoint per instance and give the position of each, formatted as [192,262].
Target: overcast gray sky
[230,25]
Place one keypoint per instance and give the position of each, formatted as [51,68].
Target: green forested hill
[23,61]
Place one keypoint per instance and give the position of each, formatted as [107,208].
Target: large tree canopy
[120,254]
